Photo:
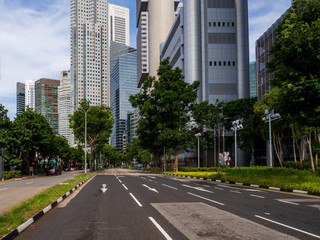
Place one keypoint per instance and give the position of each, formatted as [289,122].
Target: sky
[35,38]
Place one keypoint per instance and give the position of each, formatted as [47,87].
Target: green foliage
[99,125]
[165,106]
[11,174]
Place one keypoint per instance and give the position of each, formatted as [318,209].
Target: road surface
[127,204]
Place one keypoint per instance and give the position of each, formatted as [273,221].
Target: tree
[99,125]
[31,134]
[165,110]
[5,126]
[295,64]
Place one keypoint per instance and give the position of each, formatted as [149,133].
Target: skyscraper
[30,94]
[65,106]
[209,40]
[90,39]
[46,100]
[123,84]
[154,20]
[20,97]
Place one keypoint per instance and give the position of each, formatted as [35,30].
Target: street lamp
[198,135]
[236,125]
[270,116]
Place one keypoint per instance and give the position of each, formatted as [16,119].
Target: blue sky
[34,38]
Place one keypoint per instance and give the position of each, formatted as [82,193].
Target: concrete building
[154,20]
[123,84]
[209,40]
[20,97]
[30,94]
[253,80]
[65,106]
[90,28]
[46,100]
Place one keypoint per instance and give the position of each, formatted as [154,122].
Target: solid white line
[125,186]
[2,189]
[160,229]
[206,199]
[169,186]
[139,204]
[120,181]
[28,183]
[257,196]
[281,224]
[293,203]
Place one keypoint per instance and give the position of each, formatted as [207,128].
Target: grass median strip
[21,213]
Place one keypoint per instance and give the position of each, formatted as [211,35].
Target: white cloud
[33,43]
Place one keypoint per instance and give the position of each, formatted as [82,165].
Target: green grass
[21,213]
[285,178]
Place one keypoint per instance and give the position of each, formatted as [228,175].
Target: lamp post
[270,116]
[198,135]
[236,126]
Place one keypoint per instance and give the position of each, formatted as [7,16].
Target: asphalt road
[124,204]
[14,192]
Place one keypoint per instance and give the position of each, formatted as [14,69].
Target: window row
[221,24]
[222,63]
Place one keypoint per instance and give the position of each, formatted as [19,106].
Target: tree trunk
[252,157]
[278,148]
[310,151]
[302,151]
[316,139]
[294,145]
[175,165]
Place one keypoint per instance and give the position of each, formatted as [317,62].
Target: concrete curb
[249,185]
[13,234]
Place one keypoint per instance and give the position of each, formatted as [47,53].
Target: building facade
[20,97]
[30,94]
[65,106]
[263,47]
[123,84]
[209,40]
[46,100]
[90,39]
[154,20]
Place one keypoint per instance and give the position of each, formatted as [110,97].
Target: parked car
[53,171]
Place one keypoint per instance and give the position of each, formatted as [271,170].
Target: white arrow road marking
[28,183]
[151,189]
[104,189]
[198,188]
[151,177]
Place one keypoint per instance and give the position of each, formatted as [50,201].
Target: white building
[154,20]
[90,39]
[65,106]
[119,24]
[30,94]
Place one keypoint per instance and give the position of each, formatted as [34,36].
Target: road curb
[13,234]
[249,185]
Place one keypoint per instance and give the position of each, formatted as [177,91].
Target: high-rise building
[263,47]
[123,84]
[209,40]
[20,97]
[46,100]
[65,106]
[253,80]
[90,39]
[154,20]
[30,94]
[119,25]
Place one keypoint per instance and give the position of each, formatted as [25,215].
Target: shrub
[11,174]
